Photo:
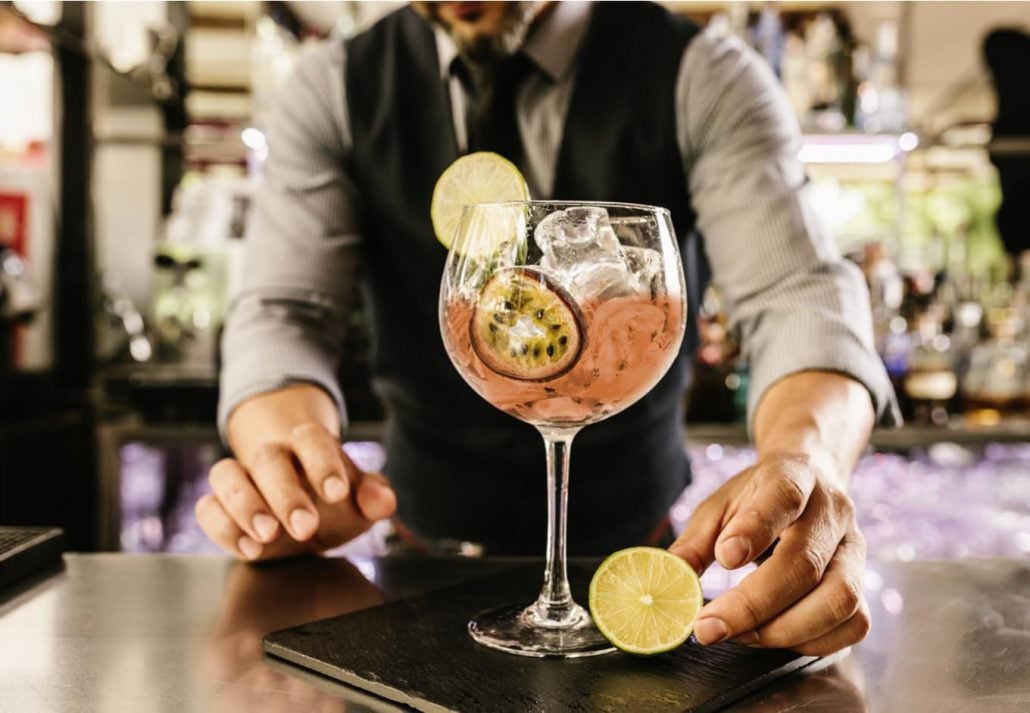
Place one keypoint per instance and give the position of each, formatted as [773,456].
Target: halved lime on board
[481,177]
[526,326]
[645,599]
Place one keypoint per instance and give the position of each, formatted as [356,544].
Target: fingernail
[303,523]
[265,526]
[248,547]
[710,631]
[688,557]
[381,499]
[748,638]
[733,552]
[334,488]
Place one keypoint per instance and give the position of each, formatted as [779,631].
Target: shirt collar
[552,44]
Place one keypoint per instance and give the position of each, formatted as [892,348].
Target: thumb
[696,544]
[375,496]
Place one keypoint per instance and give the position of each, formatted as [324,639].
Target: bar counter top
[115,632]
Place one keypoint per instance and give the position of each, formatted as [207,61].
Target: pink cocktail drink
[630,342]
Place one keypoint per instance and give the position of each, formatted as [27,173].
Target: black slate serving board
[417,652]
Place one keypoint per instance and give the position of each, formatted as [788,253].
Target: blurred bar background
[131,143]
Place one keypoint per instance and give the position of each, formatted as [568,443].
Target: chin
[482,30]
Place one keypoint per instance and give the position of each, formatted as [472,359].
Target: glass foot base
[517,630]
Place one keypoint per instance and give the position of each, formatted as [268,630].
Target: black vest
[463,469]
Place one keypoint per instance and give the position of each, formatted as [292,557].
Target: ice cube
[595,279]
[581,251]
[645,270]
[576,234]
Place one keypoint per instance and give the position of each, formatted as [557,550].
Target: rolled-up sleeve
[287,323]
[794,303]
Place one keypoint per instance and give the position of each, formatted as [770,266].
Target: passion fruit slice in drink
[526,326]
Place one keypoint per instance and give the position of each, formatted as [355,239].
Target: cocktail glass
[561,315]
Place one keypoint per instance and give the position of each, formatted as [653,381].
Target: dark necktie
[492,116]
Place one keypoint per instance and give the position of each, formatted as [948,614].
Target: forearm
[820,415]
[287,323]
[271,418]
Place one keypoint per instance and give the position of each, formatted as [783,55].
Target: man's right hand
[291,489]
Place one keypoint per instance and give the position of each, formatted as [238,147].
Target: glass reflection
[261,599]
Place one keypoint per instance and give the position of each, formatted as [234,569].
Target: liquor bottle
[823,47]
[997,385]
[931,382]
[881,101]
[767,37]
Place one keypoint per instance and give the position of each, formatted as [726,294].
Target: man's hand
[807,594]
[291,488]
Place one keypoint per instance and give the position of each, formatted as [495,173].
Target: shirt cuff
[811,341]
[274,365]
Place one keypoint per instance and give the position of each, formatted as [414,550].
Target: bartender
[605,101]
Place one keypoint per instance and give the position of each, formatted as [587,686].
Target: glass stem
[554,607]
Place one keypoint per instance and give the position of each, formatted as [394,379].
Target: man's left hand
[806,594]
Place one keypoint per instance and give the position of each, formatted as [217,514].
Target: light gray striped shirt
[794,303]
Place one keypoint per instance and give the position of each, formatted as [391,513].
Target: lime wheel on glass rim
[480,177]
[645,599]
